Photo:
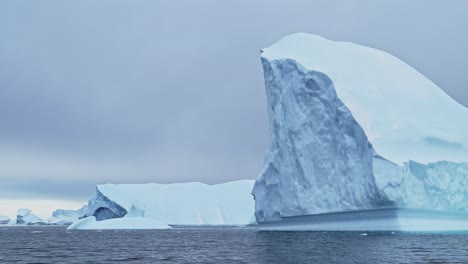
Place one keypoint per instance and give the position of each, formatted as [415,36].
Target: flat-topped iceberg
[176,204]
[354,129]
[90,223]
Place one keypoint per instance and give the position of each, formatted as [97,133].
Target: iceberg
[90,223]
[440,185]
[404,115]
[67,217]
[4,220]
[357,135]
[25,217]
[59,217]
[176,204]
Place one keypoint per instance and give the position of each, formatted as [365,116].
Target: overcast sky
[172,91]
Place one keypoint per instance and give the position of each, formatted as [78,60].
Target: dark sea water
[225,245]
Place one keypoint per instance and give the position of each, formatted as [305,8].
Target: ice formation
[176,204]
[67,217]
[347,124]
[25,217]
[312,133]
[404,115]
[4,220]
[90,223]
[441,185]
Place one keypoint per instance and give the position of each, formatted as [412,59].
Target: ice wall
[346,123]
[319,159]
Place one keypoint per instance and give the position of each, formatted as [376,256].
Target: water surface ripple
[226,245]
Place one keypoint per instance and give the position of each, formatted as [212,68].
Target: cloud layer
[172,91]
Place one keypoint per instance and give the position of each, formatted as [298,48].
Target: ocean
[225,245]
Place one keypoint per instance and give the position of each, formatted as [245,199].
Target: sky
[96,92]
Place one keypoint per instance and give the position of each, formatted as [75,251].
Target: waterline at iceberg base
[360,141]
[385,219]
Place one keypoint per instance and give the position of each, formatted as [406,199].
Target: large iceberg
[354,129]
[176,204]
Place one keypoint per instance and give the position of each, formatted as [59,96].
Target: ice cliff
[319,157]
[441,185]
[354,128]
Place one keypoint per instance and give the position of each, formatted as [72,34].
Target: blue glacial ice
[354,131]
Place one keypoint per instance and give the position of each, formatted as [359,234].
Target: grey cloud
[171,91]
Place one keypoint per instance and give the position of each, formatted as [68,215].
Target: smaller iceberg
[25,217]
[90,223]
[67,217]
[4,220]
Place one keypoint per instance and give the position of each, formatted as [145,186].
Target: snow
[404,115]
[90,223]
[176,204]
[354,129]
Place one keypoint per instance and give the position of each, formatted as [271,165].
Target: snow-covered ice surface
[90,223]
[404,114]
[176,204]
[346,123]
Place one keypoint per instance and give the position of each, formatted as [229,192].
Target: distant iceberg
[67,217]
[90,223]
[24,216]
[176,204]
[356,135]
[4,220]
